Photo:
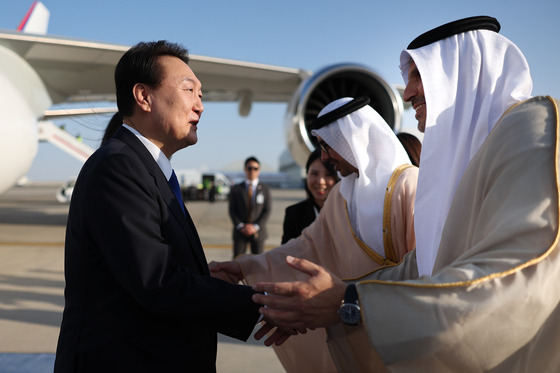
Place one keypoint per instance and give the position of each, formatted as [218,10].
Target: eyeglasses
[324,147]
[252,168]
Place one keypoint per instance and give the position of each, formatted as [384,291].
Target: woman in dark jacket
[320,179]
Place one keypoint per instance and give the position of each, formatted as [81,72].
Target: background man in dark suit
[139,297]
[249,209]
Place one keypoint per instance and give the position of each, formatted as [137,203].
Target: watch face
[350,314]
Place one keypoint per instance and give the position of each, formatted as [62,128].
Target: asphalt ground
[32,227]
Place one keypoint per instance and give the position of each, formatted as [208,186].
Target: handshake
[290,308]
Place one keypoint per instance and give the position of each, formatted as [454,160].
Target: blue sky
[301,34]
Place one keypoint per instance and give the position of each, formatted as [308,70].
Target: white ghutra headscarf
[366,141]
[470,80]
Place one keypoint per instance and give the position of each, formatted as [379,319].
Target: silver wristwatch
[349,310]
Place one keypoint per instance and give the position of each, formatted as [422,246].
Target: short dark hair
[251,159]
[140,64]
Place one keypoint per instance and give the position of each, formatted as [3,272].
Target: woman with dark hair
[321,177]
[412,145]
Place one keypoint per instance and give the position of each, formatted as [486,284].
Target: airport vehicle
[64,192]
[195,186]
[38,71]
[203,185]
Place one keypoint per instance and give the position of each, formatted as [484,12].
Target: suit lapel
[185,220]
[242,189]
[257,208]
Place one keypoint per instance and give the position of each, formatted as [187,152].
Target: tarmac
[32,228]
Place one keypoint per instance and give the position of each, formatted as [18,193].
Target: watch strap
[351,294]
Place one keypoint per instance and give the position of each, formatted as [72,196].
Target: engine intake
[327,85]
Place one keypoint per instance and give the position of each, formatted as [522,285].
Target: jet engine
[331,83]
[24,99]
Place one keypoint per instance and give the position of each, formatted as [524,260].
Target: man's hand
[227,271]
[279,335]
[302,304]
[249,230]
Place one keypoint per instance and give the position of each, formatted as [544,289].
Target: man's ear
[141,94]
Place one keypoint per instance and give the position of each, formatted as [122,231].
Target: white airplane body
[37,71]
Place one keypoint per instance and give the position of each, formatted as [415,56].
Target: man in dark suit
[249,209]
[139,297]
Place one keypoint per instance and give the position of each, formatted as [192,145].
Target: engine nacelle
[24,99]
[327,85]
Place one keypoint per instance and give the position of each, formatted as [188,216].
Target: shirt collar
[160,158]
[254,182]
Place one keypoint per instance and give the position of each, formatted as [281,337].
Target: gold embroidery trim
[372,254]
[391,256]
[387,234]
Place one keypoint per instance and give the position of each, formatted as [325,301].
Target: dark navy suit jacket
[138,296]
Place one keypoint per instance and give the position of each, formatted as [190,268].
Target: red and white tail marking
[36,20]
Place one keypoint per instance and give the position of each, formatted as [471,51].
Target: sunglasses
[252,168]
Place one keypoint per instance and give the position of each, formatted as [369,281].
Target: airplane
[38,70]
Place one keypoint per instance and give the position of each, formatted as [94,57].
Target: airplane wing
[37,70]
[75,70]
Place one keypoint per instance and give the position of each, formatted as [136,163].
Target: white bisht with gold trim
[493,301]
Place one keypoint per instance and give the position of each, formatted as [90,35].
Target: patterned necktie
[176,188]
[249,201]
